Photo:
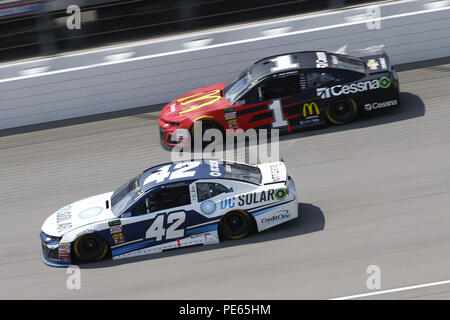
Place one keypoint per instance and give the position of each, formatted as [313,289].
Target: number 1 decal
[277,109]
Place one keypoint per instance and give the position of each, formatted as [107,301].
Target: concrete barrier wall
[158,71]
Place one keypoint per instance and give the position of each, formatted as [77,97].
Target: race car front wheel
[90,248]
[342,111]
[235,225]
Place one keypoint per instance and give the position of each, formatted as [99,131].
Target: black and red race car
[287,92]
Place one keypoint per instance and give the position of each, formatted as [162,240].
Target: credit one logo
[380,105]
[335,91]
[276,218]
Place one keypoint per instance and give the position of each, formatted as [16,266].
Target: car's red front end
[204,104]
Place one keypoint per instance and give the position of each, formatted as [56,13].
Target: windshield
[124,196]
[242,172]
[234,89]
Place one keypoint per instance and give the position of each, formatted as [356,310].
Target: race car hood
[78,214]
[194,103]
[273,172]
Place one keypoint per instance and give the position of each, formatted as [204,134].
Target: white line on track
[419,286]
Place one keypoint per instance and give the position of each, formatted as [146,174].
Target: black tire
[90,248]
[235,225]
[342,111]
[207,124]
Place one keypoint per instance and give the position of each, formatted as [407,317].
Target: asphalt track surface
[376,192]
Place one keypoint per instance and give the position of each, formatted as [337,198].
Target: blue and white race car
[169,206]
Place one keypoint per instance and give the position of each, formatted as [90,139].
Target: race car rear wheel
[90,248]
[342,111]
[235,225]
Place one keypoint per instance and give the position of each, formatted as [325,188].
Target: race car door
[264,106]
[158,217]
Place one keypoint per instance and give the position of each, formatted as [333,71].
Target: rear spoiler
[377,63]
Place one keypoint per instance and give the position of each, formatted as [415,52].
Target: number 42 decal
[180,170]
[174,220]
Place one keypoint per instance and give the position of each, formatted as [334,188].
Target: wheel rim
[341,112]
[235,225]
[90,248]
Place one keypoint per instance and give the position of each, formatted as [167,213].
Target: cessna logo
[310,109]
[210,96]
[379,105]
[335,91]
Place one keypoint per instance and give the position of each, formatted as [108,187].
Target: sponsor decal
[214,168]
[232,124]
[193,191]
[321,61]
[380,105]
[114,223]
[385,82]
[118,237]
[274,169]
[310,109]
[338,90]
[90,212]
[228,203]
[277,218]
[334,60]
[198,235]
[251,199]
[280,194]
[372,64]
[210,97]
[64,252]
[208,207]
[383,63]
[117,229]
[230,113]
[64,219]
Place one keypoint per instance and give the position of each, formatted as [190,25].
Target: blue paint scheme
[211,227]
[202,171]
[137,230]
[132,247]
[54,264]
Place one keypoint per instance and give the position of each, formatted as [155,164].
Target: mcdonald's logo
[309,107]
[211,96]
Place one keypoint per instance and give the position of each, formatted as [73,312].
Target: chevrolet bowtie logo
[372,64]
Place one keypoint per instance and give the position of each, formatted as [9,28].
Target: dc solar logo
[208,207]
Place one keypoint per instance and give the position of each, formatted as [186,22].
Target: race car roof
[180,171]
[196,170]
[307,60]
